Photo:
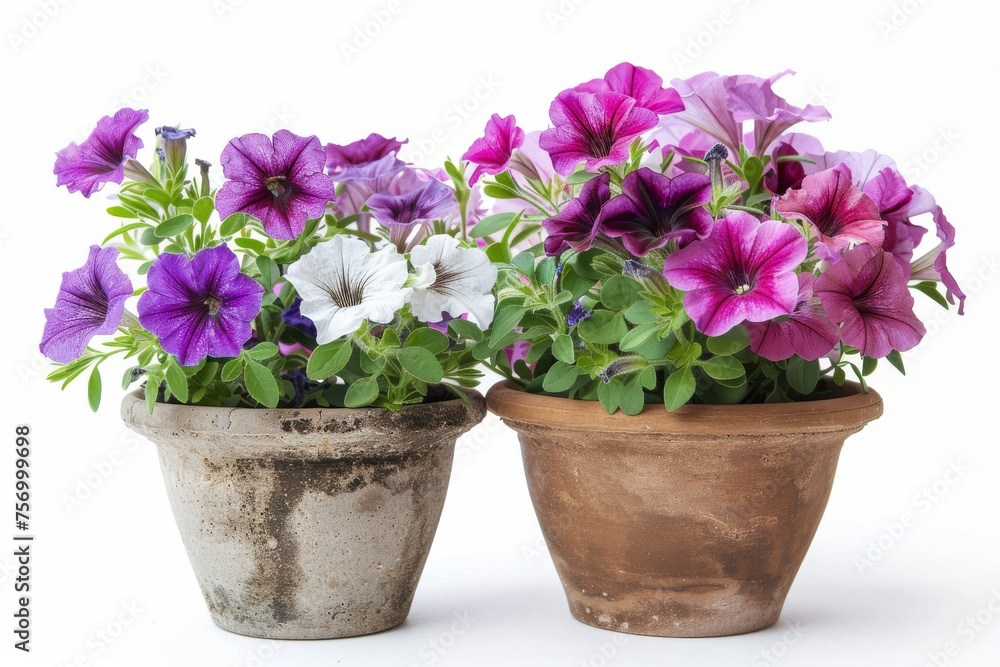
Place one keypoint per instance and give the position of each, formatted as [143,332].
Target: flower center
[600,141]
[278,185]
[214,305]
[742,289]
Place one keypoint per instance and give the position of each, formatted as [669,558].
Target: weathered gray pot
[306,524]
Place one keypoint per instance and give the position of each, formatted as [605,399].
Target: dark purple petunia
[643,85]
[200,307]
[492,152]
[807,332]
[576,224]
[279,181]
[101,157]
[577,314]
[654,209]
[867,293]
[782,176]
[593,127]
[744,271]
[840,212]
[342,161]
[293,317]
[91,302]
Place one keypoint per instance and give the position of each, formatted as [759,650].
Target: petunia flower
[408,215]
[293,317]
[366,180]
[342,162]
[867,293]
[593,127]
[343,283]
[492,152]
[279,181]
[840,212]
[807,331]
[200,306]
[742,272]
[91,302]
[456,281]
[924,202]
[174,148]
[892,197]
[576,226]
[101,157]
[643,85]
[654,209]
[577,314]
[783,176]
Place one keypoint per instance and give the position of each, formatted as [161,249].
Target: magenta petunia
[102,156]
[91,302]
[840,212]
[782,176]
[892,197]
[643,85]
[593,127]
[200,306]
[744,271]
[576,225]
[867,293]
[924,202]
[653,209]
[279,181]
[492,152]
[807,331]
[342,161]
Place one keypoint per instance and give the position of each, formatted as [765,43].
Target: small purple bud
[621,365]
[715,157]
[577,314]
[174,149]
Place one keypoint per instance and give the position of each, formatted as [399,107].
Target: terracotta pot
[306,524]
[684,524]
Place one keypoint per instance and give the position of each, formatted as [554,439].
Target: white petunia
[343,283]
[461,281]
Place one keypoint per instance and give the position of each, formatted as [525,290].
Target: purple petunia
[807,332]
[408,215]
[293,317]
[643,85]
[200,306]
[91,302]
[577,314]
[576,225]
[492,152]
[867,293]
[593,127]
[654,209]
[101,157]
[279,181]
[743,271]
[342,162]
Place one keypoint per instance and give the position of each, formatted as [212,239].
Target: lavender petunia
[366,180]
[744,271]
[840,212]
[576,225]
[102,156]
[706,106]
[924,202]
[91,302]
[867,293]
[200,306]
[492,152]
[343,161]
[807,332]
[279,181]
[643,85]
[653,209]
[174,148]
[408,215]
[593,127]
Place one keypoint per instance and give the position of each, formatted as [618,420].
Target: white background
[915,80]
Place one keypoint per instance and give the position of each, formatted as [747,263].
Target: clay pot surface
[306,523]
[685,524]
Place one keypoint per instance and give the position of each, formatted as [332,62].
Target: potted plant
[694,285]
[304,338]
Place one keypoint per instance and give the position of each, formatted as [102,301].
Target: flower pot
[685,524]
[307,523]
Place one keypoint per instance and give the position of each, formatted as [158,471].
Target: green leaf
[562,348]
[94,389]
[125,229]
[251,244]
[722,368]
[802,375]
[361,393]
[679,388]
[930,288]
[637,336]
[202,209]
[603,328]
[262,351]
[896,359]
[730,342]
[753,170]
[177,381]
[609,393]
[525,263]
[640,312]
[122,212]
[560,377]
[433,341]
[232,369]
[580,177]
[328,360]
[269,272]
[492,224]
[233,223]
[545,272]
[868,366]
[261,384]
[839,376]
[506,319]
[498,192]
[421,364]
[619,292]
[152,390]
[632,399]
[464,329]
[174,226]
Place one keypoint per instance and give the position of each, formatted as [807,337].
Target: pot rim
[853,409]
